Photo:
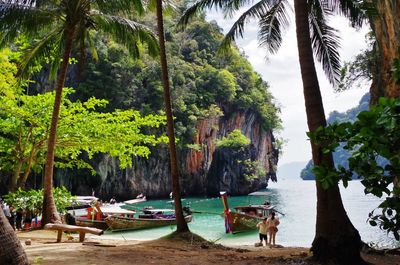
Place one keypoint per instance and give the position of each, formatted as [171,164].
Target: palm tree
[180,220]
[341,244]
[63,25]
[336,239]
[11,250]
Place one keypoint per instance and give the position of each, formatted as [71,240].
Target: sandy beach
[44,250]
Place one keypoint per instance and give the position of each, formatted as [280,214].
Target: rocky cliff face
[386,27]
[204,171]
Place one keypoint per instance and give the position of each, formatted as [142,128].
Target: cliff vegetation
[214,98]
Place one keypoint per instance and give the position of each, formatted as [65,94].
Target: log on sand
[73,228]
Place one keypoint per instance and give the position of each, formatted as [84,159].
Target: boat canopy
[260,193]
[83,200]
[115,210]
[254,207]
[135,200]
[151,210]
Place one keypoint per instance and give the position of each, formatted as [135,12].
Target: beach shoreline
[97,251]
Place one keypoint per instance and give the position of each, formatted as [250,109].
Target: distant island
[340,156]
[290,170]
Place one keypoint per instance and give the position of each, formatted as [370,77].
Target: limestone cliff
[203,172]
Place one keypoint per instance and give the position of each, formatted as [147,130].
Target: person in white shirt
[263,231]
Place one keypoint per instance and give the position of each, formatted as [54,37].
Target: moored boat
[244,218]
[95,216]
[85,222]
[149,219]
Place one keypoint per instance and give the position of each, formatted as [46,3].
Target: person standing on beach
[11,219]
[272,223]
[18,219]
[6,210]
[263,231]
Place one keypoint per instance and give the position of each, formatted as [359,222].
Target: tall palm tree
[180,220]
[11,250]
[336,239]
[63,25]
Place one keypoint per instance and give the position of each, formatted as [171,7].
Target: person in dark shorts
[263,231]
[18,219]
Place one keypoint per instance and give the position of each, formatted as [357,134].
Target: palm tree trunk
[11,250]
[49,212]
[336,239]
[180,220]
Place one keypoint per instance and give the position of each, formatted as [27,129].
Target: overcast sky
[282,72]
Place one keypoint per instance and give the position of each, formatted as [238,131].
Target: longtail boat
[81,202]
[149,219]
[95,216]
[244,218]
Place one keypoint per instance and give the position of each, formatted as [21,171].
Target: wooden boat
[85,222]
[244,218]
[95,216]
[149,219]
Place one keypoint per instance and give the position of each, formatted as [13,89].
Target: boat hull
[116,223]
[80,221]
[242,222]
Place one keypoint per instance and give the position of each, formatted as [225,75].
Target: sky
[282,72]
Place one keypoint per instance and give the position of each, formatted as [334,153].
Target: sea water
[296,199]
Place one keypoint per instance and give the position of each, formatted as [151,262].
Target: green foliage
[32,200]
[340,156]
[361,70]
[202,83]
[7,73]
[195,147]
[48,26]
[25,121]
[373,141]
[396,68]
[234,140]
[272,18]
[212,112]
[253,169]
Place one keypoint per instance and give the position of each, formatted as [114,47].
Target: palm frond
[197,8]
[33,3]
[354,10]
[232,6]
[16,19]
[119,6]
[47,49]
[325,42]
[273,20]
[272,25]
[91,46]
[169,6]
[127,32]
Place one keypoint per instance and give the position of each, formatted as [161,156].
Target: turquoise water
[295,198]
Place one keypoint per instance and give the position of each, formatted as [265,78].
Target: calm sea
[296,199]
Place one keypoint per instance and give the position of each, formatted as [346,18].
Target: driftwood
[73,228]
